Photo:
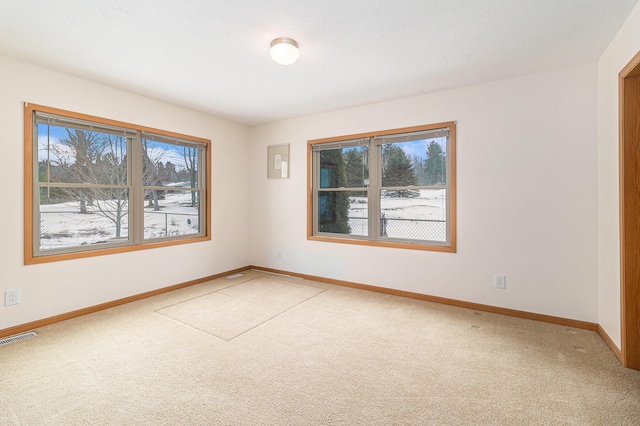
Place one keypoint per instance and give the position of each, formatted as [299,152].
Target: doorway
[629,146]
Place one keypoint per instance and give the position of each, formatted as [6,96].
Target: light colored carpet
[328,356]
[234,310]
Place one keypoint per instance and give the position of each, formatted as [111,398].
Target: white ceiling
[213,55]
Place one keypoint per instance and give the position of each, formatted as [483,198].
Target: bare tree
[77,154]
[98,160]
[152,171]
[190,156]
[113,203]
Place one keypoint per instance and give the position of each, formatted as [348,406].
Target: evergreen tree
[355,168]
[435,166]
[48,172]
[333,207]
[397,171]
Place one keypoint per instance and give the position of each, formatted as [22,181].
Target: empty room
[320,213]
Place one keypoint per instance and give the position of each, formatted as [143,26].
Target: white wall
[55,288]
[617,55]
[527,196]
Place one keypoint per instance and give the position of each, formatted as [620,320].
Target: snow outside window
[99,185]
[393,188]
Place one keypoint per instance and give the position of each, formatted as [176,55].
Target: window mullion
[136,198]
[375,181]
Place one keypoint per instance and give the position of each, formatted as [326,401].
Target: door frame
[629,173]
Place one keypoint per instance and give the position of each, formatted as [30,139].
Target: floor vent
[230,277]
[17,338]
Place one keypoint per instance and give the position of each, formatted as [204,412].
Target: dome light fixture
[284,50]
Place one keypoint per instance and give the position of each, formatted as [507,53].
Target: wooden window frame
[419,244]
[30,256]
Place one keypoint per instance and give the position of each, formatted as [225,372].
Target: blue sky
[159,151]
[419,148]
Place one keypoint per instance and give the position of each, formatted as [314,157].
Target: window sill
[386,244]
[33,260]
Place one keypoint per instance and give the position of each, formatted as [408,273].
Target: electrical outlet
[500,281]
[279,253]
[12,297]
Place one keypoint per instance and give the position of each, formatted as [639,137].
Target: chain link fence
[359,225]
[63,228]
[172,224]
[410,229]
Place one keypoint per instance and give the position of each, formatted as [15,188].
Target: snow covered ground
[61,225]
[421,218]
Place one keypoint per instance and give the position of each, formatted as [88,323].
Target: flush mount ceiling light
[284,50]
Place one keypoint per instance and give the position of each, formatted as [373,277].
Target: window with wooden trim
[393,188]
[95,186]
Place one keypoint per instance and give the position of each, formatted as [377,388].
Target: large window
[391,188]
[96,186]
